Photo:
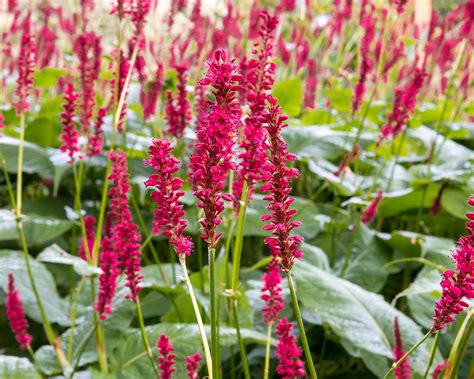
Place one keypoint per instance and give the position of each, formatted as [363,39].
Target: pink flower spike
[178,111]
[166,359]
[26,68]
[96,138]
[126,238]
[271,293]
[16,315]
[192,365]
[216,129]
[371,211]
[403,371]
[69,135]
[439,369]
[168,215]
[89,225]
[282,245]
[290,366]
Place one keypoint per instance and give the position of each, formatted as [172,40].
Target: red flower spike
[271,293]
[26,68]
[126,238]
[216,129]
[69,135]
[96,139]
[166,359]
[178,111]
[122,77]
[403,371]
[459,283]
[439,369]
[168,215]
[288,353]
[150,97]
[89,226]
[371,211]
[283,246]
[192,365]
[258,82]
[16,315]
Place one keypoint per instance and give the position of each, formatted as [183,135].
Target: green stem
[99,334]
[432,355]
[205,343]
[19,177]
[213,311]
[75,301]
[459,347]
[11,194]
[304,340]
[243,353]
[407,354]
[419,260]
[239,237]
[146,343]
[266,370]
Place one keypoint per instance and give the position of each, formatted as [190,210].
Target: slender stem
[99,334]
[432,355]
[213,311]
[459,347]
[146,343]
[407,354]
[19,176]
[243,353]
[304,340]
[7,179]
[205,343]
[419,260]
[75,301]
[239,236]
[266,370]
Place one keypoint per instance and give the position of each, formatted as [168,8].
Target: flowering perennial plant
[271,293]
[290,365]
[166,359]
[192,365]
[178,111]
[283,246]
[69,135]
[403,371]
[16,315]
[371,211]
[168,215]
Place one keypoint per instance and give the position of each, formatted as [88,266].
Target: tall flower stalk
[212,160]
[168,218]
[283,246]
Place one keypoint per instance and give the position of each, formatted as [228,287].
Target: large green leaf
[454,201]
[54,254]
[38,229]
[17,368]
[290,96]
[362,320]
[35,159]
[55,307]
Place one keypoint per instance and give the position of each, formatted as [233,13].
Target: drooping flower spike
[290,366]
[371,211]
[168,215]
[16,315]
[166,359]
[282,244]
[69,135]
[271,293]
[216,129]
[403,370]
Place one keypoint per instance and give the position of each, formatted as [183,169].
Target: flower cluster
[96,139]
[69,135]
[349,157]
[290,365]
[400,4]
[126,236]
[403,371]
[166,359]
[121,78]
[311,85]
[149,98]
[168,215]
[259,80]
[178,111]
[212,157]
[26,67]
[192,365]
[283,246]
[403,105]
[89,226]
[89,52]
[16,315]
[271,293]
[459,283]
[439,369]
[139,12]
[371,211]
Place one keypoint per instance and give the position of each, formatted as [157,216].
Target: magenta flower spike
[283,246]
[271,293]
[216,129]
[16,315]
[121,78]
[168,215]
[69,135]
[26,68]
[371,211]
[192,365]
[403,371]
[178,110]
[96,138]
[166,359]
[89,225]
[290,366]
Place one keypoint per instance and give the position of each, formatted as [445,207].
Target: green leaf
[17,368]
[35,159]
[454,201]
[362,320]
[290,96]
[48,77]
[38,229]
[55,307]
[54,254]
